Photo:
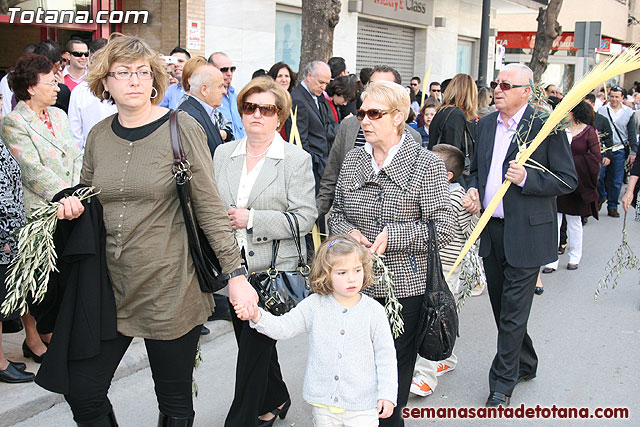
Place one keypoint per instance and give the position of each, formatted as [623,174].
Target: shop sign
[605,45]
[194,38]
[527,40]
[414,11]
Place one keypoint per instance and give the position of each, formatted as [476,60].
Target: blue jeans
[609,189]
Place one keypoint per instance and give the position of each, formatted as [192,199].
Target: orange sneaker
[443,368]
[420,388]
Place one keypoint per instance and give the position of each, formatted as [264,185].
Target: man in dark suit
[522,234]
[206,90]
[307,98]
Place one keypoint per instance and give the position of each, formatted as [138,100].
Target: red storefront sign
[527,39]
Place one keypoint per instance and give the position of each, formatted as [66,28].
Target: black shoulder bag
[438,322]
[627,148]
[206,263]
[280,291]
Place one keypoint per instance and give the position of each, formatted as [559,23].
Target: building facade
[620,27]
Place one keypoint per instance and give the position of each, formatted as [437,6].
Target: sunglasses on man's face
[267,110]
[373,114]
[80,54]
[225,69]
[504,85]
[415,84]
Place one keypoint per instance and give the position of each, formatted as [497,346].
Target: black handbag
[206,263]
[438,322]
[280,291]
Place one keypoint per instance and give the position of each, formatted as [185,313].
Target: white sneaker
[478,290]
[443,368]
[419,387]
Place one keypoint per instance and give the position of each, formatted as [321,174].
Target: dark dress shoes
[548,270]
[613,213]
[572,266]
[204,330]
[278,412]
[26,351]
[19,365]
[539,290]
[15,375]
[496,399]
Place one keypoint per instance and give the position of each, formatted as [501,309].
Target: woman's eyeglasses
[80,54]
[373,114]
[267,110]
[225,69]
[504,85]
[51,83]
[126,75]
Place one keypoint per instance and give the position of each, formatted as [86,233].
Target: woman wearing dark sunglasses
[386,194]
[454,123]
[260,177]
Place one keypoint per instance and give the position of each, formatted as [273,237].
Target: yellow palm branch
[425,82]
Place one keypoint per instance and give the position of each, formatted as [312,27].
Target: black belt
[498,220]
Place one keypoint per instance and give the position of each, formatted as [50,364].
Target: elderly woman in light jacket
[259,178]
[38,136]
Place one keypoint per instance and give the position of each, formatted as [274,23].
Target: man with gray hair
[229,107]
[308,100]
[522,234]
[205,95]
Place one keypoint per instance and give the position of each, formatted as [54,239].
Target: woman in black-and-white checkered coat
[386,193]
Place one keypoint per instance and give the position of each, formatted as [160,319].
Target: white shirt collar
[275,151]
[392,152]
[66,72]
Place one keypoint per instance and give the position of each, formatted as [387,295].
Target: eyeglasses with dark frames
[373,114]
[80,54]
[267,110]
[225,69]
[505,85]
[126,75]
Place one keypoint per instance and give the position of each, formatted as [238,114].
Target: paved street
[589,354]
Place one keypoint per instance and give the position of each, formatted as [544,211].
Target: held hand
[515,173]
[385,408]
[606,161]
[239,218]
[70,208]
[631,158]
[471,201]
[223,134]
[7,249]
[241,292]
[626,200]
[380,245]
[356,234]
[243,313]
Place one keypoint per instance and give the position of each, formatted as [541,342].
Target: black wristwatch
[237,272]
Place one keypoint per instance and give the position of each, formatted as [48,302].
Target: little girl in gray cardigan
[351,374]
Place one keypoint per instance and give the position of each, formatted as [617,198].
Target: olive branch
[622,259]
[392,306]
[28,273]
[471,274]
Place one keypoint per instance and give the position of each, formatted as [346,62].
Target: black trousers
[171,366]
[406,354]
[259,385]
[511,293]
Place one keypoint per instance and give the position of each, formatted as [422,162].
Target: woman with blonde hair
[454,123]
[129,157]
[485,97]
[387,192]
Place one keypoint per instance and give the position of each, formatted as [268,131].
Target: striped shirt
[463,227]
[359,139]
